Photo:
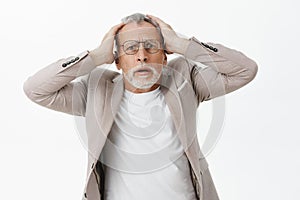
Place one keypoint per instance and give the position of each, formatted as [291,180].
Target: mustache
[141,68]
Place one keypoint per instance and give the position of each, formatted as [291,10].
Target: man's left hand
[173,43]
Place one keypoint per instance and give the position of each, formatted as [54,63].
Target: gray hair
[138,18]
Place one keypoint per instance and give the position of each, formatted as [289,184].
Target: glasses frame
[143,42]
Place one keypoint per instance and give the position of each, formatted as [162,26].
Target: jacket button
[215,50]
[204,44]
[64,64]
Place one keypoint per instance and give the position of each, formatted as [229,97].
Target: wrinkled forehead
[139,32]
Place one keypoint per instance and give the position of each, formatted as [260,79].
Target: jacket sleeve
[53,86]
[216,70]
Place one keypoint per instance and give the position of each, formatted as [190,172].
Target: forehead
[140,31]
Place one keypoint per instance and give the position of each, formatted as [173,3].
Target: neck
[138,90]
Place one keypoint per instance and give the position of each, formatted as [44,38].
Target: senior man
[141,123]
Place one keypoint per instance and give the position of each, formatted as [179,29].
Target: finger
[161,23]
[158,20]
[117,27]
[112,32]
[153,17]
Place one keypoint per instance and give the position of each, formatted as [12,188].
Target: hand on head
[104,53]
[168,33]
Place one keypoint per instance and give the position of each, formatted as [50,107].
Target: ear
[116,57]
[118,65]
[165,61]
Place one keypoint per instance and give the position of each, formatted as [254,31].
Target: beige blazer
[206,71]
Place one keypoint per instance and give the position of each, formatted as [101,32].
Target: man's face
[141,55]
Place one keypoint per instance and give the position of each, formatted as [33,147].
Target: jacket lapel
[173,101]
[113,97]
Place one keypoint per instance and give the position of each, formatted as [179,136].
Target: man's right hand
[104,53]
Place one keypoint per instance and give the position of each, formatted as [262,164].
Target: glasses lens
[131,47]
[151,46]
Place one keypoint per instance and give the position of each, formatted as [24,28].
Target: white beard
[142,82]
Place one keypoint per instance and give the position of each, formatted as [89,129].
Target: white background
[257,156]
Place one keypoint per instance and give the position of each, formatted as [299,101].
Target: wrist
[180,45]
[99,57]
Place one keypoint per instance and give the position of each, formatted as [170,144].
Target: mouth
[143,71]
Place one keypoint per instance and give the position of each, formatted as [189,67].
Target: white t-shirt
[156,166]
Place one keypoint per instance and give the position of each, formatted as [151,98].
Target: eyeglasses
[131,47]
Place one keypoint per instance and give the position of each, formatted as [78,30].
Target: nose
[141,55]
